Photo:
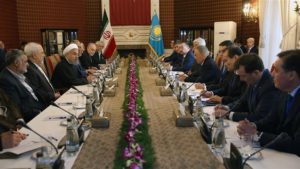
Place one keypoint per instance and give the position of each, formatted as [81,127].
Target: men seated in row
[250,47]
[38,79]
[221,81]
[197,42]
[187,56]
[256,103]
[87,57]
[17,86]
[283,122]
[9,113]
[175,59]
[99,57]
[232,87]
[205,68]
[82,71]
[220,59]
[66,73]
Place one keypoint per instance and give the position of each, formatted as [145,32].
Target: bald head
[34,52]
[99,45]
[250,42]
[91,49]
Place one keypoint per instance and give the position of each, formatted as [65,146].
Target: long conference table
[51,129]
[271,159]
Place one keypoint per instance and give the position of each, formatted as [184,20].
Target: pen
[64,104]
[63,117]
[16,132]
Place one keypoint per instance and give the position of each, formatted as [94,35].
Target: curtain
[130,12]
[289,25]
[270,31]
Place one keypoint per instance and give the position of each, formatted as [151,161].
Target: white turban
[69,48]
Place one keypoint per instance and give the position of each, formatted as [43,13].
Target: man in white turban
[65,73]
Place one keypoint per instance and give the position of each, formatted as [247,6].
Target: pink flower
[127,153]
[135,165]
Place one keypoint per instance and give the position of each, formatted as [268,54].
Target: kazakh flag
[155,38]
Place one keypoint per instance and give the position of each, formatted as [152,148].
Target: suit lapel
[20,85]
[41,75]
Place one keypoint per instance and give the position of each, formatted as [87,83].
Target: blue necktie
[288,106]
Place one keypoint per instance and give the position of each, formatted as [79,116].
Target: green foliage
[143,137]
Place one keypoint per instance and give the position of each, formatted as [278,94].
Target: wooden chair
[51,62]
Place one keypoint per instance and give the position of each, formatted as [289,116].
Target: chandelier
[250,11]
[296,7]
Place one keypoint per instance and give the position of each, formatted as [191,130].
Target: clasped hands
[245,127]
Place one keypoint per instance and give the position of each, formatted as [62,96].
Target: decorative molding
[131,35]
[154,7]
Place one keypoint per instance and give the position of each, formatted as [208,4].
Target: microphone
[224,115]
[281,135]
[73,87]
[194,82]
[22,123]
[54,104]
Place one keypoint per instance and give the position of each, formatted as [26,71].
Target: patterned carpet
[175,148]
[98,151]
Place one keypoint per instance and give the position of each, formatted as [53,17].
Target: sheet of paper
[167,86]
[182,109]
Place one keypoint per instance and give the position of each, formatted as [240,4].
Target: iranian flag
[107,37]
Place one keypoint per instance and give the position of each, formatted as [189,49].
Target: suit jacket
[20,95]
[86,60]
[259,106]
[187,63]
[98,59]
[206,72]
[12,114]
[243,48]
[276,123]
[254,49]
[66,75]
[40,84]
[218,83]
[175,59]
[2,59]
[231,89]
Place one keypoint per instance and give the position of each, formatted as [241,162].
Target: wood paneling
[9,24]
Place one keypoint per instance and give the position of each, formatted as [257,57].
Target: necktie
[288,106]
[253,99]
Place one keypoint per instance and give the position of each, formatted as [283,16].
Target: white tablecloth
[46,127]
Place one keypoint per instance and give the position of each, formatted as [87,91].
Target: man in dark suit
[220,63]
[66,73]
[86,59]
[98,57]
[238,43]
[206,69]
[232,88]
[175,59]
[16,86]
[37,77]
[260,94]
[9,113]
[251,48]
[284,120]
[187,56]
